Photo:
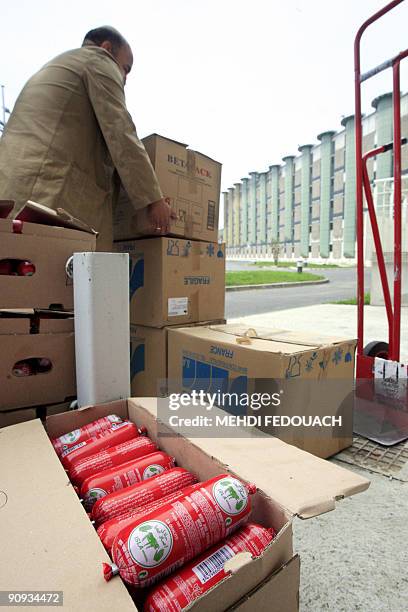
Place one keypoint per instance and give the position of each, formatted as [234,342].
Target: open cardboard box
[49,543]
[46,238]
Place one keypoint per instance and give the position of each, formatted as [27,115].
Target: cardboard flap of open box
[55,546]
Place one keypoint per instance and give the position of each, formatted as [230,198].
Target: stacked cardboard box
[291,484]
[176,280]
[311,375]
[37,361]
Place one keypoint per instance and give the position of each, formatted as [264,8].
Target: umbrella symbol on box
[337,356]
[348,356]
[186,249]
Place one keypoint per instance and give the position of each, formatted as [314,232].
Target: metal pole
[359,197]
[3,105]
[395,354]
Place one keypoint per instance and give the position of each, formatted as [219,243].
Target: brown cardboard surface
[279,593]
[48,248]
[302,484]
[148,359]
[57,408]
[55,341]
[191,183]
[48,543]
[281,360]
[175,281]
[12,417]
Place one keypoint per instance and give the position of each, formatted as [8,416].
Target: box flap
[37,213]
[301,483]
[46,542]
[305,338]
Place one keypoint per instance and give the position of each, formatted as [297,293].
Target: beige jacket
[68,133]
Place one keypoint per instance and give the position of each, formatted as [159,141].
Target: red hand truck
[389,352]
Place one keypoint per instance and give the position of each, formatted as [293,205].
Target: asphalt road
[342,285]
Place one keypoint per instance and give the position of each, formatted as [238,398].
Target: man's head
[112,41]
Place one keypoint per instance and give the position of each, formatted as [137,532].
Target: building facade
[306,205]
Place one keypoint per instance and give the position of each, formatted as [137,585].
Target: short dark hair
[99,35]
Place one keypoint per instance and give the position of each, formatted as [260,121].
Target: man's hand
[159,214]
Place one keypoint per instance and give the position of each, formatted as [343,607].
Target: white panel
[101,304]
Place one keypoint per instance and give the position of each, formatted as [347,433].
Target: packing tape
[191,171]
[246,337]
[275,338]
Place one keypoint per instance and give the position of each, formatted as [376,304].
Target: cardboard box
[12,417]
[313,374]
[191,183]
[48,247]
[53,339]
[174,281]
[291,483]
[148,359]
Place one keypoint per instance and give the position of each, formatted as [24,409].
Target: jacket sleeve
[103,82]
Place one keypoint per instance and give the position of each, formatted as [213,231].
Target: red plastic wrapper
[84,433]
[23,368]
[109,458]
[139,495]
[25,268]
[110,529]
[116,434]
[178,591]
[166,538]
[122,476]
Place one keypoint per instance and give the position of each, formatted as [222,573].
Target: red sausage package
[109,458]
[122,476]
[165,539]
[84,433]
[116,434]
[178,591]
[110,529]
[139,495]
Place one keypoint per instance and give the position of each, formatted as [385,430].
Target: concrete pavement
[356,557]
